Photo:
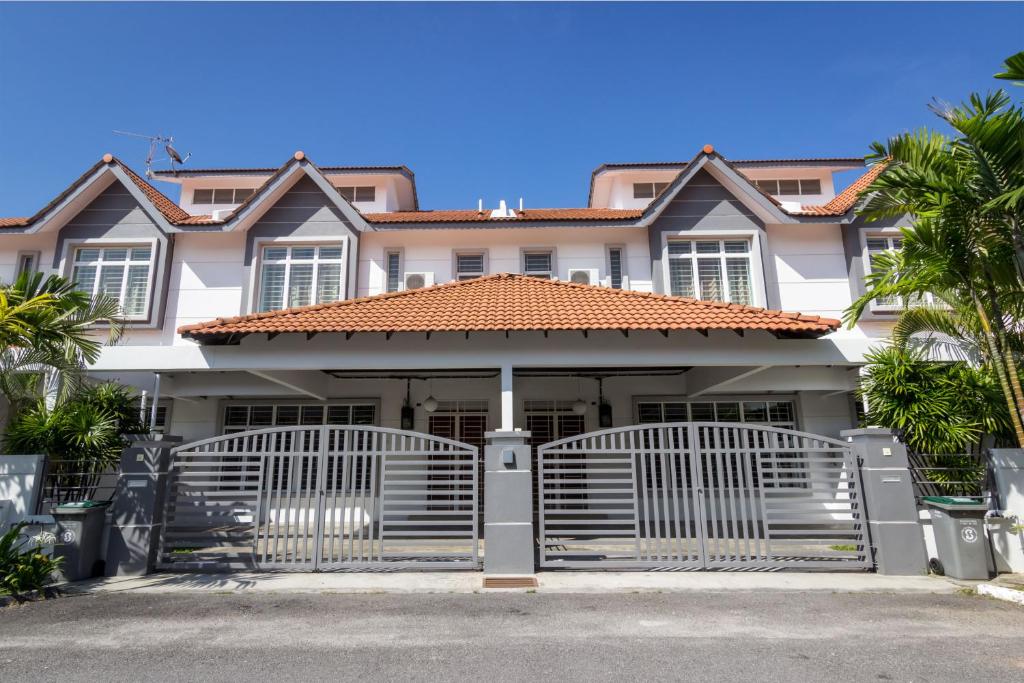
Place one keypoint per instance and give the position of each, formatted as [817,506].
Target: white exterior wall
[614,189]
[385,197]
[828,191]
[433,251]
[805,268]
[825,413]
[207,279]
[617,190]
[12,245]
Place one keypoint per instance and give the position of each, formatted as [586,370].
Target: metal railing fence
[74,481]
[953,474]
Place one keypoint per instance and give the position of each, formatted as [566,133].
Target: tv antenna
[155,142]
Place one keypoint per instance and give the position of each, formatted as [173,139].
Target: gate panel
[397,498]
[324,497]
[617,498]
[700,495]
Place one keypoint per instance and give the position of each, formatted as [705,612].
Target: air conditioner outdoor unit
[418,280]
[583,276]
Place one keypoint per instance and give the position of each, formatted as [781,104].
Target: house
[203,283]
[709,290]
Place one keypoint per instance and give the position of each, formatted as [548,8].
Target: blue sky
[493,101]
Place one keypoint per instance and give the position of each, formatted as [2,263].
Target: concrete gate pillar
[136,512]
[508,504]
[1006,534]
[896,534]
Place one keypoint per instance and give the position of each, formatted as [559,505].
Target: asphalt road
[705,636]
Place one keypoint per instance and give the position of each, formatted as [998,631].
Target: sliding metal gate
[323,497]
[700,495]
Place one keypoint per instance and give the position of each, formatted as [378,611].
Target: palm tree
[48,336]
[1014,69]
[966,246]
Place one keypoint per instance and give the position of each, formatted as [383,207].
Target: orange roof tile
[475,216]
[845,200]
[515,302]
[164,205]
[14,222]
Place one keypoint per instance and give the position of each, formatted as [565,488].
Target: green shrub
[23,566]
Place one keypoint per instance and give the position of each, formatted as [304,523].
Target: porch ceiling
[510,302]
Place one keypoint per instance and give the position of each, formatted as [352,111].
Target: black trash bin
[79,536]
[959,526]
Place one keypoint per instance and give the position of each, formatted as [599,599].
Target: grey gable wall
[116,214]
[703,204]
[305,211]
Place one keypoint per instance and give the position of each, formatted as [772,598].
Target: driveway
[734,636]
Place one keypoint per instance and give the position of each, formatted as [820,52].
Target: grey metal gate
[700,495]
[323,497]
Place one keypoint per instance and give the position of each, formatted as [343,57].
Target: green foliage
[1014,69]
[965,194]
[88,429]
[48,336]
[23,566]
[939,407]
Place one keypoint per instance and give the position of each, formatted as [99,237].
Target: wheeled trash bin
[79,535]
[959,526]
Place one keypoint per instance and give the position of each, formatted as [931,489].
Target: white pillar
[156,398]
[507,402]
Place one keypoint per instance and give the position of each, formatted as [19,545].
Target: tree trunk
[999,362]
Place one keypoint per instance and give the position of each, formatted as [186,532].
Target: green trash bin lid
[954,500]
[964,503]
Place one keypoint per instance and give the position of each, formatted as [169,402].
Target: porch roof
[511,302]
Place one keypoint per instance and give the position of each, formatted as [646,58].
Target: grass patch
[183,551]
[847,547]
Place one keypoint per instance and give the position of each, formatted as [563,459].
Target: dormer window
[648,190]
[300,275]
[366,193]
[790,188]
[221,195]
[119,272]
[710,270]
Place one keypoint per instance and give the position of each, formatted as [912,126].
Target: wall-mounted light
[579,407]
[430,404]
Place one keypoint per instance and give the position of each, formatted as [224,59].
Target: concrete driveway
[734,636]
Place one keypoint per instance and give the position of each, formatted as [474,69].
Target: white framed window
[241,417]
[299,275]
[539,263]
[361,193]
[773,413]
[28,262]
[711,269]
[222,195]
[648,190]
[122,272]
[470,264]
[790,187]
[616,266]
[393,271]
[879,244]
